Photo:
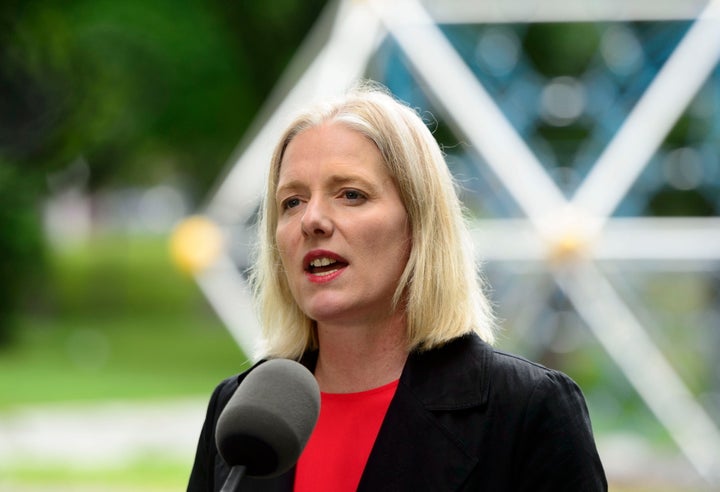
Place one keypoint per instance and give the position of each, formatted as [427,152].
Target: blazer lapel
[419,447]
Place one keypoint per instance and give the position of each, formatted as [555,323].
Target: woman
[366,275]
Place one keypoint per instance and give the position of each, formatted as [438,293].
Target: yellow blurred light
[195,244]
[568,247]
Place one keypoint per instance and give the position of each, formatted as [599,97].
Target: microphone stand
[232,482]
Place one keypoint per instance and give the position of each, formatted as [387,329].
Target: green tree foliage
[139,90]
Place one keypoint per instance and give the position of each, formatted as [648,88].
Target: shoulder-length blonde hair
[440,287]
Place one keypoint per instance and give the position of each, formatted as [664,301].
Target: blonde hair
[440,288]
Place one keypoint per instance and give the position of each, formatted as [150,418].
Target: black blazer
[464,417]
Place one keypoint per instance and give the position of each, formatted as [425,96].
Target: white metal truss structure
[569,236]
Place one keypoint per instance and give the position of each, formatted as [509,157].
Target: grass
[121,357]
[115,320]
[120,322]
[148,475]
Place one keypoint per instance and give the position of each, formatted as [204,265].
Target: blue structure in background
[683,177]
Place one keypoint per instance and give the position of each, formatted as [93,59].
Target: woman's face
[343,233]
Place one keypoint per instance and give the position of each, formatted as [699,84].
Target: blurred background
[118,120]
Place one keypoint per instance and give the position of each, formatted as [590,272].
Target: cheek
[285,271]
[283,246]
[391,237]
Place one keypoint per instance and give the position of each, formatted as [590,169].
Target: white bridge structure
[572,235]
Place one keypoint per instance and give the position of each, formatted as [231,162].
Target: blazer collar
[451,377]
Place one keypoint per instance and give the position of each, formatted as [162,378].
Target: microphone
[267,421]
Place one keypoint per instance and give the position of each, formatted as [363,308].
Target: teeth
[321,262]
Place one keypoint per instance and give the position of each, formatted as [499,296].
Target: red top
[340,444]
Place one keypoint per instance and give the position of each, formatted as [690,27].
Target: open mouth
[324,266]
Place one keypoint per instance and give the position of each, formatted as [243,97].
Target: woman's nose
[316,220]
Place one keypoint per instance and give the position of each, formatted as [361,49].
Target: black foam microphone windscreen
[268,420]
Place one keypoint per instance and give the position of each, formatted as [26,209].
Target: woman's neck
[359,358]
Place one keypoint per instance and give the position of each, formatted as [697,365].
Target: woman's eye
[353,195]
[290,203]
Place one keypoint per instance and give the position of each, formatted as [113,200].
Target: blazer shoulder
[226,388]
[506,361]
[515,374]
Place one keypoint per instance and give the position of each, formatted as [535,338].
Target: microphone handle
[232,482]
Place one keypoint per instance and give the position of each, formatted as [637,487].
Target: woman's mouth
[324,266]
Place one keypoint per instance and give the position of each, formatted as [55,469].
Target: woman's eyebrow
[289,186]
[350,179]
[334,181]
